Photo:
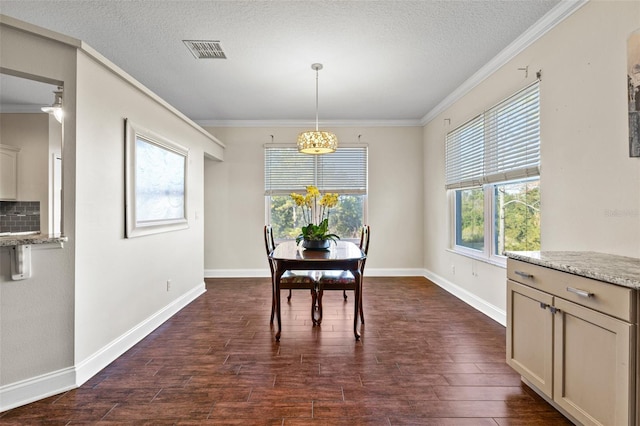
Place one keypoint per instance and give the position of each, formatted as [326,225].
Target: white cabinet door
[594,365]
[530,335]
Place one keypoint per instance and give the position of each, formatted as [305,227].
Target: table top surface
[342,250]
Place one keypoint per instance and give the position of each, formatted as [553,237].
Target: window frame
[488,253]
[473,160]
[361,189]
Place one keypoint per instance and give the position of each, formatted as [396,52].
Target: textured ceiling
[383,60]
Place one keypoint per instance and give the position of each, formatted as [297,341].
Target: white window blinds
[501,144]
[286,170]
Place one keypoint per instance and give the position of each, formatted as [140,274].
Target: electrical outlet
[168,285]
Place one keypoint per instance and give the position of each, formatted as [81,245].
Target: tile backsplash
[19,216]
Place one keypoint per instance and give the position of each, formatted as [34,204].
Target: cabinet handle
[554,310]
[579,292]
[543,305]
[524,274]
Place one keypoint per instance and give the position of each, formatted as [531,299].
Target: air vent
[205,49]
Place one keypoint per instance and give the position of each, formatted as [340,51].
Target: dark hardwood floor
[425,358]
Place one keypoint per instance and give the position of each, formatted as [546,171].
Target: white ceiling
[389,61]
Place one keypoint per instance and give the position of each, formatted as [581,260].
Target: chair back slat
[268,239]
[364,239]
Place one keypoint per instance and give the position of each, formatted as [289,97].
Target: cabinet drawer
[607,298]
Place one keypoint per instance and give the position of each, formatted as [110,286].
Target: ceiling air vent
[205,49]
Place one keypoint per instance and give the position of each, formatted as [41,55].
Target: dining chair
[343,280]
[290,280]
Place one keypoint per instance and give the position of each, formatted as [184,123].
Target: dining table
[340,256]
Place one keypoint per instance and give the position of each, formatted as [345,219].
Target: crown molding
[307,123]
[556,15]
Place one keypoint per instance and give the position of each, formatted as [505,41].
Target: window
[492,174]
[343,172]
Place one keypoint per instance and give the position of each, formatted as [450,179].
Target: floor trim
[35,388]
[469,298]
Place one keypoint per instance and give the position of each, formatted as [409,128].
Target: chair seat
[340,277]
[297,279]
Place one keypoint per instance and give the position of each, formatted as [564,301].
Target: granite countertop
[620,270]
[18,240]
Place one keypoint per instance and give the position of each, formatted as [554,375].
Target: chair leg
[344,294]
[273,302]
[361,309]
[320,293]
[314,297]
[289,296]
[273,308]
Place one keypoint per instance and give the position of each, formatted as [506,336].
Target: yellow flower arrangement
[315,211]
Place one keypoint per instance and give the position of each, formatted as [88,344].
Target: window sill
[500,261]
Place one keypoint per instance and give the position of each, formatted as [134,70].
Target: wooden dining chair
[290,280]
[343,280]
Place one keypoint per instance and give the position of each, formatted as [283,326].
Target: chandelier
[315,141]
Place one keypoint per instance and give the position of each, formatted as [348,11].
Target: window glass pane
[345,220]
[470,218]
[517,216]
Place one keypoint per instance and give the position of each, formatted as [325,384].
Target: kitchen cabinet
[573,339]
[8,173]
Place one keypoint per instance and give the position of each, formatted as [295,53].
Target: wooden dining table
[341,256]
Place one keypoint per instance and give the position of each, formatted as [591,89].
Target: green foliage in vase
[317,232]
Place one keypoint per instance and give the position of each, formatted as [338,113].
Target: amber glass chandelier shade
[317,142]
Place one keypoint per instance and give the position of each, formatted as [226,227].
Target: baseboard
[237,273]
[35,388]
[26,391]
[90,366]
[264,273]
[469,298]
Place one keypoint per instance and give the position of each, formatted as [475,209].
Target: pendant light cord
[316,99]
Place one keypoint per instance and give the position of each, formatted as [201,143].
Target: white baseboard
[35,388]
[90,366]
[469,298]
[237,273]
[264,273]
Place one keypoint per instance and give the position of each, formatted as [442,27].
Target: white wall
[91,300]
[121,282]
[36,315]
[590,187]
[235,208]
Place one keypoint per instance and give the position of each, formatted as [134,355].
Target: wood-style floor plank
[425,358]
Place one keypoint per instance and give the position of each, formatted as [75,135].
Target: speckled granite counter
[619,270]
[17,240]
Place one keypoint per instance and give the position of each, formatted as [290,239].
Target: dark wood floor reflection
[425,358]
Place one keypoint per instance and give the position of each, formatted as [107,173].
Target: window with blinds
[286,170]
[499,145]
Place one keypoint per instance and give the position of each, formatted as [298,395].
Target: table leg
[278,316]
[356,302]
